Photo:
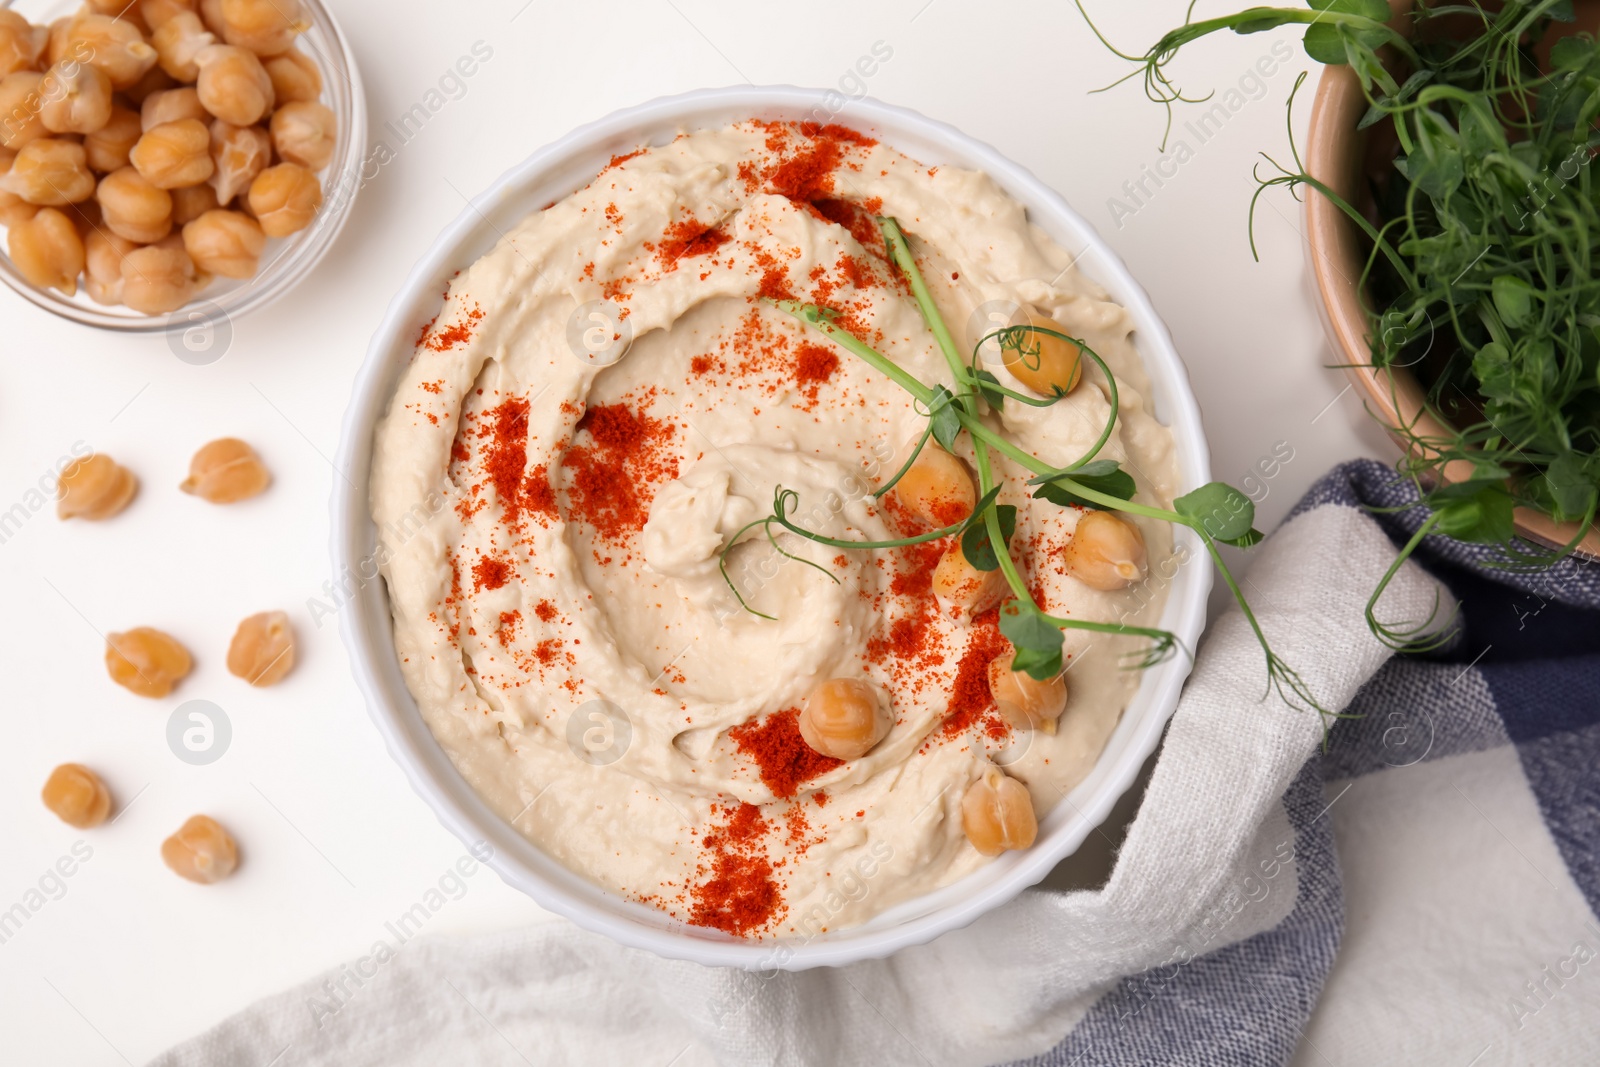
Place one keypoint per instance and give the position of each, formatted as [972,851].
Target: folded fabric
[1418,887]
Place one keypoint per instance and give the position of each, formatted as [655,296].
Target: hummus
[604,401]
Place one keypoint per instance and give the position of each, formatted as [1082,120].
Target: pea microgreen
[1483,238]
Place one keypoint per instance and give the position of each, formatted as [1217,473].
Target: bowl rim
[296,257]
[364,618]
[1392,396]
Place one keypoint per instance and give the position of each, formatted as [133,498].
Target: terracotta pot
[1336,155]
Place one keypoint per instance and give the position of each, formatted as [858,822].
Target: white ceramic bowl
[554,172]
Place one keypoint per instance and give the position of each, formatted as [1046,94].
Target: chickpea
[85,216]
[295,77]
[211,15]
[1045,364]
[76,98]
[21,43]
[1023,700]
[265,27]
[957,583]
[58,41]
[262,650]
[154,81]
[114,45]
[233,85]
[102,265]
[285,198]
[225,242]
[20,123]
[77,796]
[107,148]
[156,13]
[146,661]
[201,851]
[178,41]
[110,7]
[192,201]
[303,133]
[240,153]
[225,471]
[50,173]
[95,487]
[174,154]
[845,717]
[47,251]
[13,209]
[171,105]
[134,209]
[937,488]
[997,813]
[157,280]
[1106,552]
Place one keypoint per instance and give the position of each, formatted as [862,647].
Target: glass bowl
[286,260]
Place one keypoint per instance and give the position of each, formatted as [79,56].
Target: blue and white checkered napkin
[1423,891]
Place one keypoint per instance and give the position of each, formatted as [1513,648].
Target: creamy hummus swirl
[604,403]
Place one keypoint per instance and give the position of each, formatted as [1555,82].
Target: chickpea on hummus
[705,714]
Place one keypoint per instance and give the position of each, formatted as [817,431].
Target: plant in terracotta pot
[1455,231]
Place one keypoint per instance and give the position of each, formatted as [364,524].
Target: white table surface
[130,959]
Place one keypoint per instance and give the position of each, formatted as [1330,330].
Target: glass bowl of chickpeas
[172,162]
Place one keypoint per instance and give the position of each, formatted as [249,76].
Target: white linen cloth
[1211,942]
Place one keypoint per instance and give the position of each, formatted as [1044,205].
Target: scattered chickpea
[19,95]
[285,198]
[303,133]
[178,41]
[77,796]
[47,250]
[95,487]
[1106,552]
[957,583]
[226,243]
[74,98]
[845,717]
[134,209]
[157,280]
[1023,700]
[146,661]
[295,77]
[240,153]
[51,173]
[265,27]
[997,813]
[226,471]
[233,85]
[21,43]
[107,148]
[192,201]
[170,105]
[201,851]
[174,154]
[262,650]
[103,253]
[114,45]
[937,487]
[157,13]
[1045,364]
